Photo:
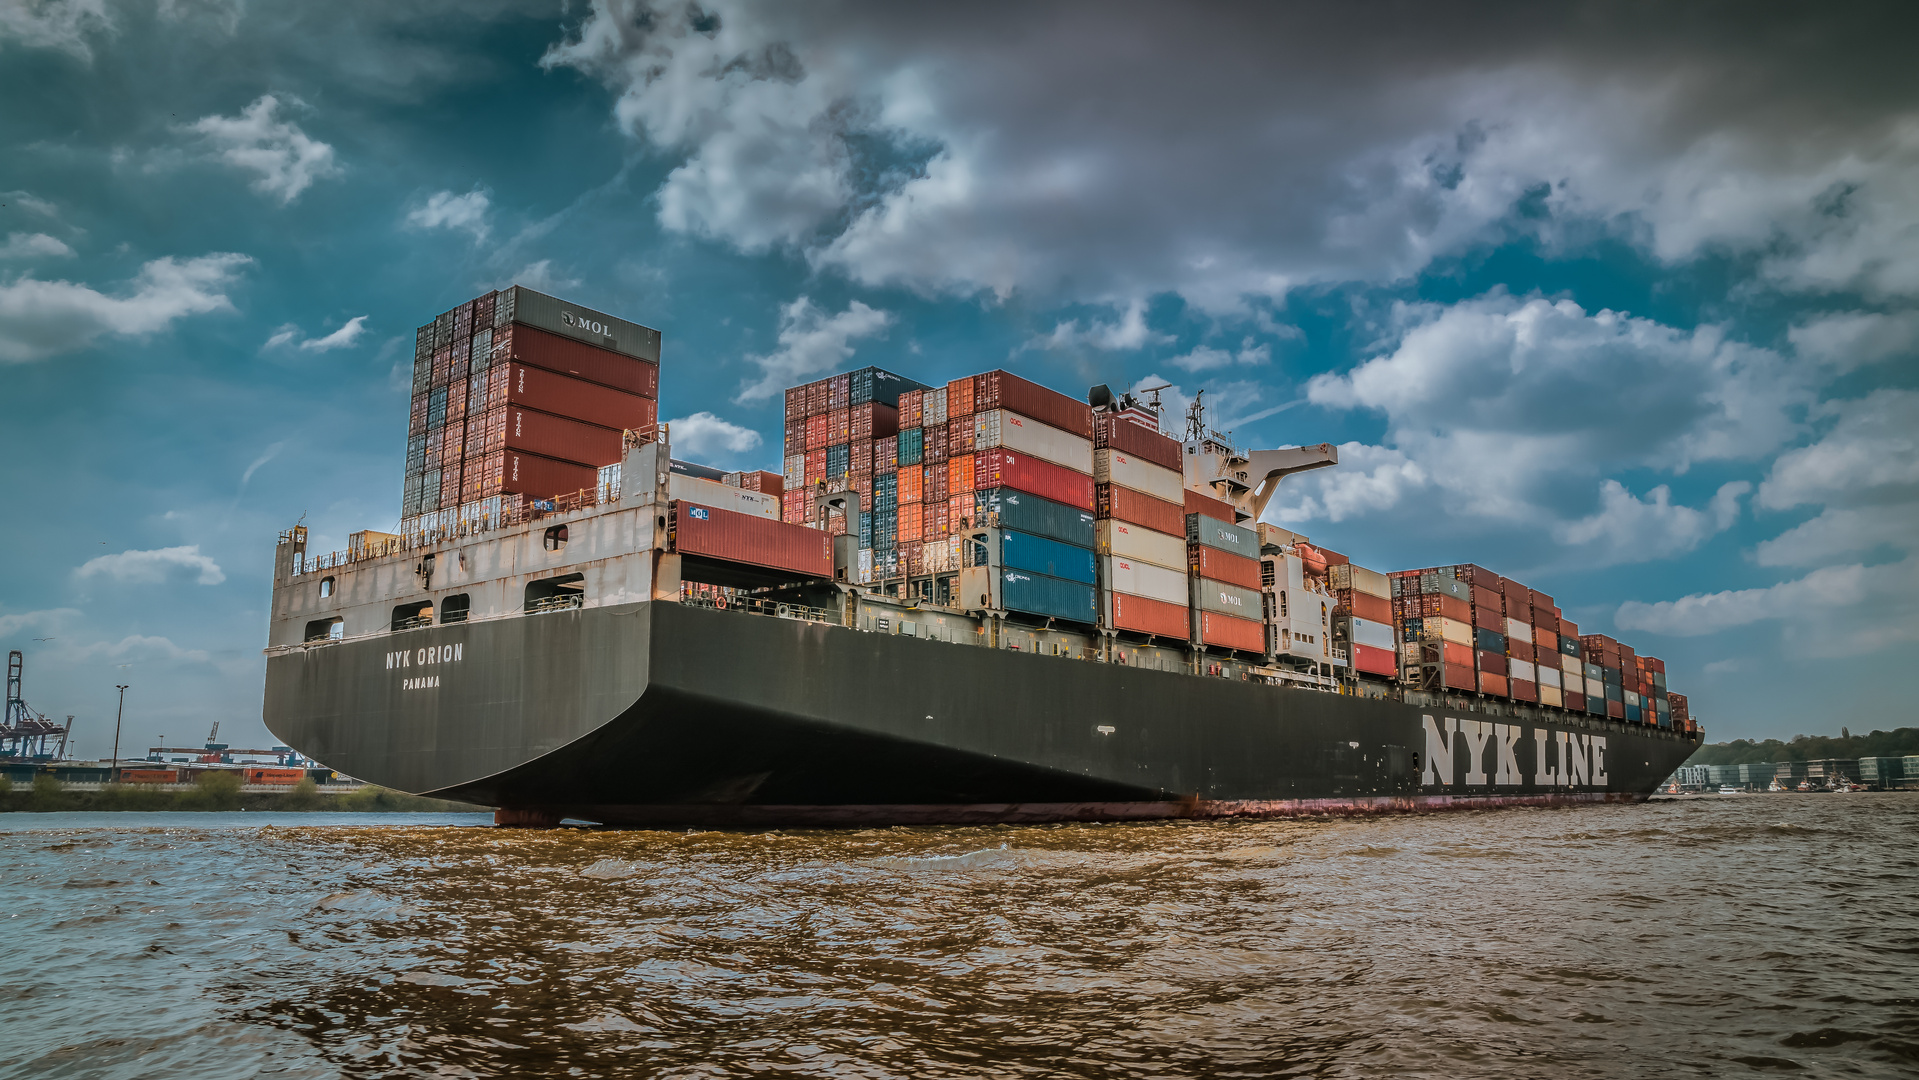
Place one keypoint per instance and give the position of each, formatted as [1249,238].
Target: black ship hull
[671,715]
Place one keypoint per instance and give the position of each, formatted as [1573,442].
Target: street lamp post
[118,713]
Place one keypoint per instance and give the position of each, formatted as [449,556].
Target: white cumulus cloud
[34,246]
[1206,358]
[285,160]
[43,318]
[704,435]
[1709,613]
[1627,528]
[153,567]
[1854,339]
[1124,334]
[445,210]
[812,341]
[55,24]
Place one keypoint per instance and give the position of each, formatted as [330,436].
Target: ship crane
[1247,480]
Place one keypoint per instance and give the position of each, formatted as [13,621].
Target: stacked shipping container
[1364,618]
[1141,530]
[520,393]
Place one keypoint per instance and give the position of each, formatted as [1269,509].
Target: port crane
[23,732]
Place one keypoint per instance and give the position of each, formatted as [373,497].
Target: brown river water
[1711,937]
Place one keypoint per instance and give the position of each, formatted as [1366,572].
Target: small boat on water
[1728,789]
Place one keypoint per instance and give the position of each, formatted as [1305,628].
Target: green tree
[214,790]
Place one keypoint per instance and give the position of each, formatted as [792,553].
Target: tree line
[1898,742]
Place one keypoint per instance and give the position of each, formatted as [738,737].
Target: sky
[1618,300]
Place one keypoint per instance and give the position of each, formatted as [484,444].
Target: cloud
[136,649]
[811,341]
[286,160]
[925,147]
[290,336]
[540,276]
[55,24]
[1204,358]
[1504,401]
[445,210]
[704,435]
[1626,528]
[153,567]
[35,620]
[1836,611]
[1855,338]
[1874,446]
[39,319]
[1373,479]
[1124,334]
[31,203]
[34,246]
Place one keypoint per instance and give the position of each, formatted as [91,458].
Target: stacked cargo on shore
[1141,530]
[519,395]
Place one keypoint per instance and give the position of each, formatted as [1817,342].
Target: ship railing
[431,530]
[556,602]
[753,605]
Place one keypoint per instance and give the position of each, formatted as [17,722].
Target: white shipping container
[1550,695]
[714,493]
[795,472]
[1358,579]
[1571,665]
[1144,579]
[1521,670]
[1227,599]
[1113,467]
[1549,676]
[864,574]
[998,428]
[933,407]
[1574,684]
[940,556]
[1376,634]
[1141,544]
[1518,631]
[1632,697]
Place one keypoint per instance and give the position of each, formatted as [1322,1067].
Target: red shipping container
[818,432]
[1125,504]
[959,476]
[1227,632]
[1143,615]
[766,483]
[1455,653]
[933,444]
[1113,432]
[816,394]
[511,472]
[959,512]
[1520,650]
[751,539]
[1225,566]
[1493,684]
[450,486]
[1005,390]
[442,366]
[1460,677]
[456,400]
[1491,661]
[839,390]
[959,436]
[839,426]
[1373,608]
[1208,506]
[912,408]
[860,458]
[1007,468]
[1615,709]
[526,345]
[874,420]
[1446,606]
[1489,618]
[815,466]
[416,417]
[933,483]
[795,403]
[886,454]
[1374,660]
[959,399]
[1575,702]
[795,438]
[534,432]
[563,395]
[1524,691]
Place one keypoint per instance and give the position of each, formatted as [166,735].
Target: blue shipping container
[911,442]
[1037,594]
[1632,713]
[436,408]
[838,457]
[866,528]
[1024,551]
[1041,517]
[1489,640]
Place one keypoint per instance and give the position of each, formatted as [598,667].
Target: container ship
[978,601]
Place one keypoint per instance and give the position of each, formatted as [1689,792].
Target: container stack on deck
[1141,530]
[1364,619]
[516,393]
[1223,560]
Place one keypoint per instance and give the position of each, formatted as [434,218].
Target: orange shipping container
[273,776]
[959,477]
[149,776]
[911,487]
[1225,566]
[959,400]
[751,539]
[1366,606]
[1227,632]
[1125,504]
[1144,615]
[818,431]
[1210,507]
[1492,684]
[910,522]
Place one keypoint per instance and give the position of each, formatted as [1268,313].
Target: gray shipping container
[522,305]
[1224,599]
[1214,533]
